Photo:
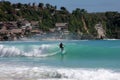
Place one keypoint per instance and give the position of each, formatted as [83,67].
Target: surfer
[62,50]
[61,47]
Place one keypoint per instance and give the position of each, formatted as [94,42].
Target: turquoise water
[80,60]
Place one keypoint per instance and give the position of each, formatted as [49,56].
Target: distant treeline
[79,20]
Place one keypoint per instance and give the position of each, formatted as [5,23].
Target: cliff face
[84,25]
[101,33]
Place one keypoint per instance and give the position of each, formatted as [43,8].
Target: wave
[50,73]
[72,49]
[28,51]
[12,51]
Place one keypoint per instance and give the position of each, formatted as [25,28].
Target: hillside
[79,20]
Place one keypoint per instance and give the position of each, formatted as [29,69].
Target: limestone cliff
[101,32]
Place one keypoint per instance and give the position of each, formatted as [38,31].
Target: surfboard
[63,52]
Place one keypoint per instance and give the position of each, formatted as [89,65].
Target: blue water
[80,60]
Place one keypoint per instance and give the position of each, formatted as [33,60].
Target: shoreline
[32,40]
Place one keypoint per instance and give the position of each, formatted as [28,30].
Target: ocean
[43,60]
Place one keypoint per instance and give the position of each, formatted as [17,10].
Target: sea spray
[35,51]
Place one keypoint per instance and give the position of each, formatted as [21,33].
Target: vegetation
[47,15]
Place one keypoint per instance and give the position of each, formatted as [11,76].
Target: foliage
[48,15]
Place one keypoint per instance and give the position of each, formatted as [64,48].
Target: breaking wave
[43,73]
[73,50]
[33,51]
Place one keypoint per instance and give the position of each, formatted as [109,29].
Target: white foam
[42,73]
[6,51]
[33,50]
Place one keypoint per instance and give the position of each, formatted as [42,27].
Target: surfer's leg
[62,57]
[62,49]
